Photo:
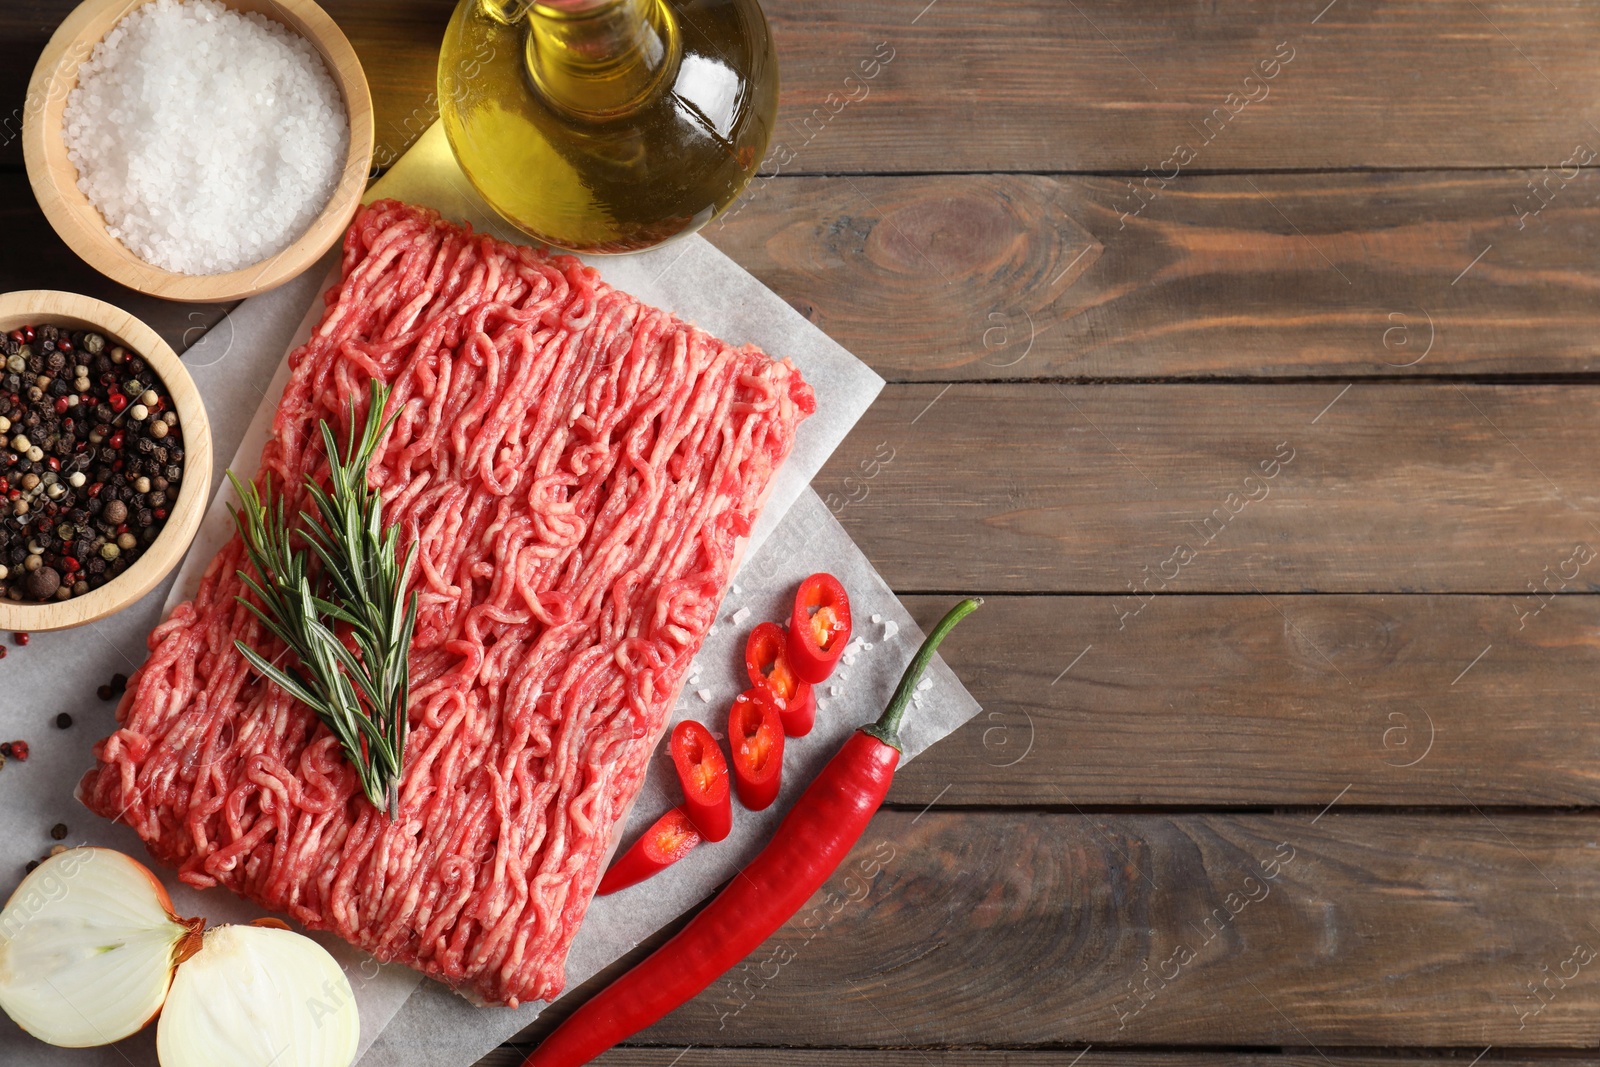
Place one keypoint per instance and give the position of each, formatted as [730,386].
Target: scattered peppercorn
[56,850]
[17,750]
[63,721]
[119,682]
[59,831]
[20,638]
[33,865]
[104,692]
[86,481]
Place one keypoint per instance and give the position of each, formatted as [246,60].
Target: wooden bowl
[54,177]
[36,306]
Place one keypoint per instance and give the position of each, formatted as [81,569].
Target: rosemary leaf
[358,581]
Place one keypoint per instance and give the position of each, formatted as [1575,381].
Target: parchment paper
[239,368]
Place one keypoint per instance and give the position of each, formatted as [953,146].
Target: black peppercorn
[59,831]
[63,721]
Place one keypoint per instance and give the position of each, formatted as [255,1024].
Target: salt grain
[739,616]
[704,695]
[208,139]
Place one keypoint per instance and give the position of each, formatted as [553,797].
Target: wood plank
[1022,85]
[1105,488]
[1025,85]
[1445,701]
[1028,928]
[1114,85]
[990,276]
[512,1056]
[934,278]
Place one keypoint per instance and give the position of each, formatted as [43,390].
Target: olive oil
[608,125]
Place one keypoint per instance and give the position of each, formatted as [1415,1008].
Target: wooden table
[1244,355]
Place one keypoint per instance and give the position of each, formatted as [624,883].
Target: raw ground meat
[578,470]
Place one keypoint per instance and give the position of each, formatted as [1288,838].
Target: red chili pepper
[810,843]
[755,736]
[766,661]
[665,843]
[819,628]
[703,773]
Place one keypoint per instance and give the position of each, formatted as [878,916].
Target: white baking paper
[240,370]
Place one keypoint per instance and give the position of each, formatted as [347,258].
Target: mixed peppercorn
[91,457]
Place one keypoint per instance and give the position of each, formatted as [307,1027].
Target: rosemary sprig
[360,583]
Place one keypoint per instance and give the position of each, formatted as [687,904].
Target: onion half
[88,944]
[255,996]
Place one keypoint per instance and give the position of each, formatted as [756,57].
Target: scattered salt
[848,656]
[738,617]
[208,139]
[925,685]
[834,691]
[736,589]
[876,618]
[890,627]
[704,695]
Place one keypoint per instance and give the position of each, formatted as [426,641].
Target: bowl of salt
[198,150]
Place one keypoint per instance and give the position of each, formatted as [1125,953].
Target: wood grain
[1003,928]
[1225,701]
[1023,85]
[1105,488]
[699,1056]
[1111,85]
[989,276]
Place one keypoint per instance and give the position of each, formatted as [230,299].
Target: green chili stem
[887,728]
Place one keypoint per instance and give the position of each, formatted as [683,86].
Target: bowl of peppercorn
[105,460]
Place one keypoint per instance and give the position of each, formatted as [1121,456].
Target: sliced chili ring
[667,841]
[755,737]
[766,660]
[819,628]
[703,773]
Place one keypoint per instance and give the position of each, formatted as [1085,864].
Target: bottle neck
[599,58]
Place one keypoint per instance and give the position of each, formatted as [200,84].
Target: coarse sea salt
[208,139]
